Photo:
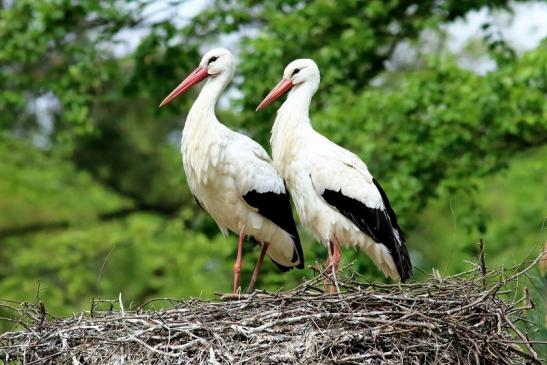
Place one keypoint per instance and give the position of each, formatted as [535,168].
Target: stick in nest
[464,319]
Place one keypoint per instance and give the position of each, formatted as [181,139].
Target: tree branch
[101,217]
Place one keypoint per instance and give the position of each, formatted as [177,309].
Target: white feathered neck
[203,136]
[292,122]
[203,109]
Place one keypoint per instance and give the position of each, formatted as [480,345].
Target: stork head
[216,62]
[299,73]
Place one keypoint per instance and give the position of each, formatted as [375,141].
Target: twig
[482,262]
[465,318]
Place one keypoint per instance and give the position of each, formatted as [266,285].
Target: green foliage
[96,203]
[39,188]
[513,205]
[142,256]
[54,47]
[350,40]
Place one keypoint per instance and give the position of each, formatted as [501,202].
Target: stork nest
[470,318]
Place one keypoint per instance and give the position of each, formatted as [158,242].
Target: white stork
[335,195]
[231,176]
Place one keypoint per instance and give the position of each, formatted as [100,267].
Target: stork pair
[235,181]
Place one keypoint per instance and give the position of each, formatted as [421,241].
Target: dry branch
[465,319]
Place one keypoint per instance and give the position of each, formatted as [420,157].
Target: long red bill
[195,77]
[281,88]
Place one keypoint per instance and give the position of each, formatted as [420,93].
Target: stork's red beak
[281,88]
[195,77]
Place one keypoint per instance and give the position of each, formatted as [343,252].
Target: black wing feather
[379,224]
[277,208]
[389,209]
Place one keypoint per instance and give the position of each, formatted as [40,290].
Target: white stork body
[221,167]
[335,195]
[231,176]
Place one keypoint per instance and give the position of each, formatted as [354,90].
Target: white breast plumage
[201,153]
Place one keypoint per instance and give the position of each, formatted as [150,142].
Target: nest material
[461,319]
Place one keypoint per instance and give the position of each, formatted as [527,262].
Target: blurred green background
[444,100]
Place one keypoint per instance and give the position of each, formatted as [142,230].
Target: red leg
[257,267]
[237,265]
[326,281]
[333,261]
[336,253]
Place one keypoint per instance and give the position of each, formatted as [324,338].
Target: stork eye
[296,70]
[212,59]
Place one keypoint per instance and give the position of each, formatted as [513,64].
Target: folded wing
[353,192]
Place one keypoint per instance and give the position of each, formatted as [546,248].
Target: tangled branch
[470,318]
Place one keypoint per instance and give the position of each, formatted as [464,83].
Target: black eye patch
[212,59]
[296,70]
